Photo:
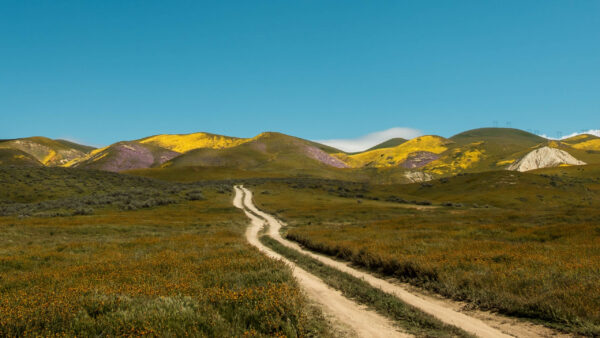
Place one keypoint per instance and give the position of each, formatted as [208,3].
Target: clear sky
[102,71]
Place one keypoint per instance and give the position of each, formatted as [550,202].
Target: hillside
[47,151]
[182,143]
[151,151]
[410,154]
[272,154]
[267,151]
[393,142]
[15,157]
[125,156]
[483,149]
[544,157]
[584,142]
[471,151]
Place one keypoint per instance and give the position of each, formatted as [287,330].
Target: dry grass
[542,263]
[173,270]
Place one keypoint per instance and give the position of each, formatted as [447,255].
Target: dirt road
[363,322]
[445,311]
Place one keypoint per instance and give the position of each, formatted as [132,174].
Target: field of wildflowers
[535,261]
[178,269]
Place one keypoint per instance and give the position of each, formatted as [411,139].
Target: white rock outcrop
[544,157]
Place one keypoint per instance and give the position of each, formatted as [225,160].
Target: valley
[489,233]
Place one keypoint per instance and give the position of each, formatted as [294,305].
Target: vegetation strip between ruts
[407,317]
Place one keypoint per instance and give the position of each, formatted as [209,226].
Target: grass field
[527,248]
[408,318]
[177,269]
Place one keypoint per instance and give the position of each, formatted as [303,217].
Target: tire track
[364,322]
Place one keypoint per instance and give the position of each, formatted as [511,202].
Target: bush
[83,211]
[194,196]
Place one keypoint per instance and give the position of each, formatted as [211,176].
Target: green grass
[406,317]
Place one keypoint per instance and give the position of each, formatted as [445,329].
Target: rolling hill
[268,150]
[16,157]
[393,142]
[182,143]
[151,151]
[47,151]
[124,156]
[584,142]
[483,149]
[410,154]
[272,154]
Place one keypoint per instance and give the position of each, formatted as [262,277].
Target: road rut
[364,322]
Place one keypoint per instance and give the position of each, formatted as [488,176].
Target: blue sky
[102,71]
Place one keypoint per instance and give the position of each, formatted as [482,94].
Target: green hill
[266,152]
[274,154]
[393,142]
[484,149]
[510,136]
[81,147]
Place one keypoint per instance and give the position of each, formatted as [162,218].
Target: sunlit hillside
[182,143]
[426,146]
[47,151]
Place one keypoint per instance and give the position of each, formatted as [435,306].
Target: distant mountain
[47,151]
[274,154]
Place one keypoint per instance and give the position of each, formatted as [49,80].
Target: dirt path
[446,311]
[363,322]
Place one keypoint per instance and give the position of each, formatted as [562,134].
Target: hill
[47,151]
[151,151]
[410,154]
[16,157]
[272,154]
[204,149]
[125,156]
[393,142]
[475,150]
[182,143]
[483,149]
[268,151]
[584,142]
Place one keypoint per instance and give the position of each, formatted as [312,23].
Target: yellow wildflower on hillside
[457,160]
[588,145]
[51,154]
[184,143]
[389,157]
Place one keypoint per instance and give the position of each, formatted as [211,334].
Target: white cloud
[367,141]
[595,132]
